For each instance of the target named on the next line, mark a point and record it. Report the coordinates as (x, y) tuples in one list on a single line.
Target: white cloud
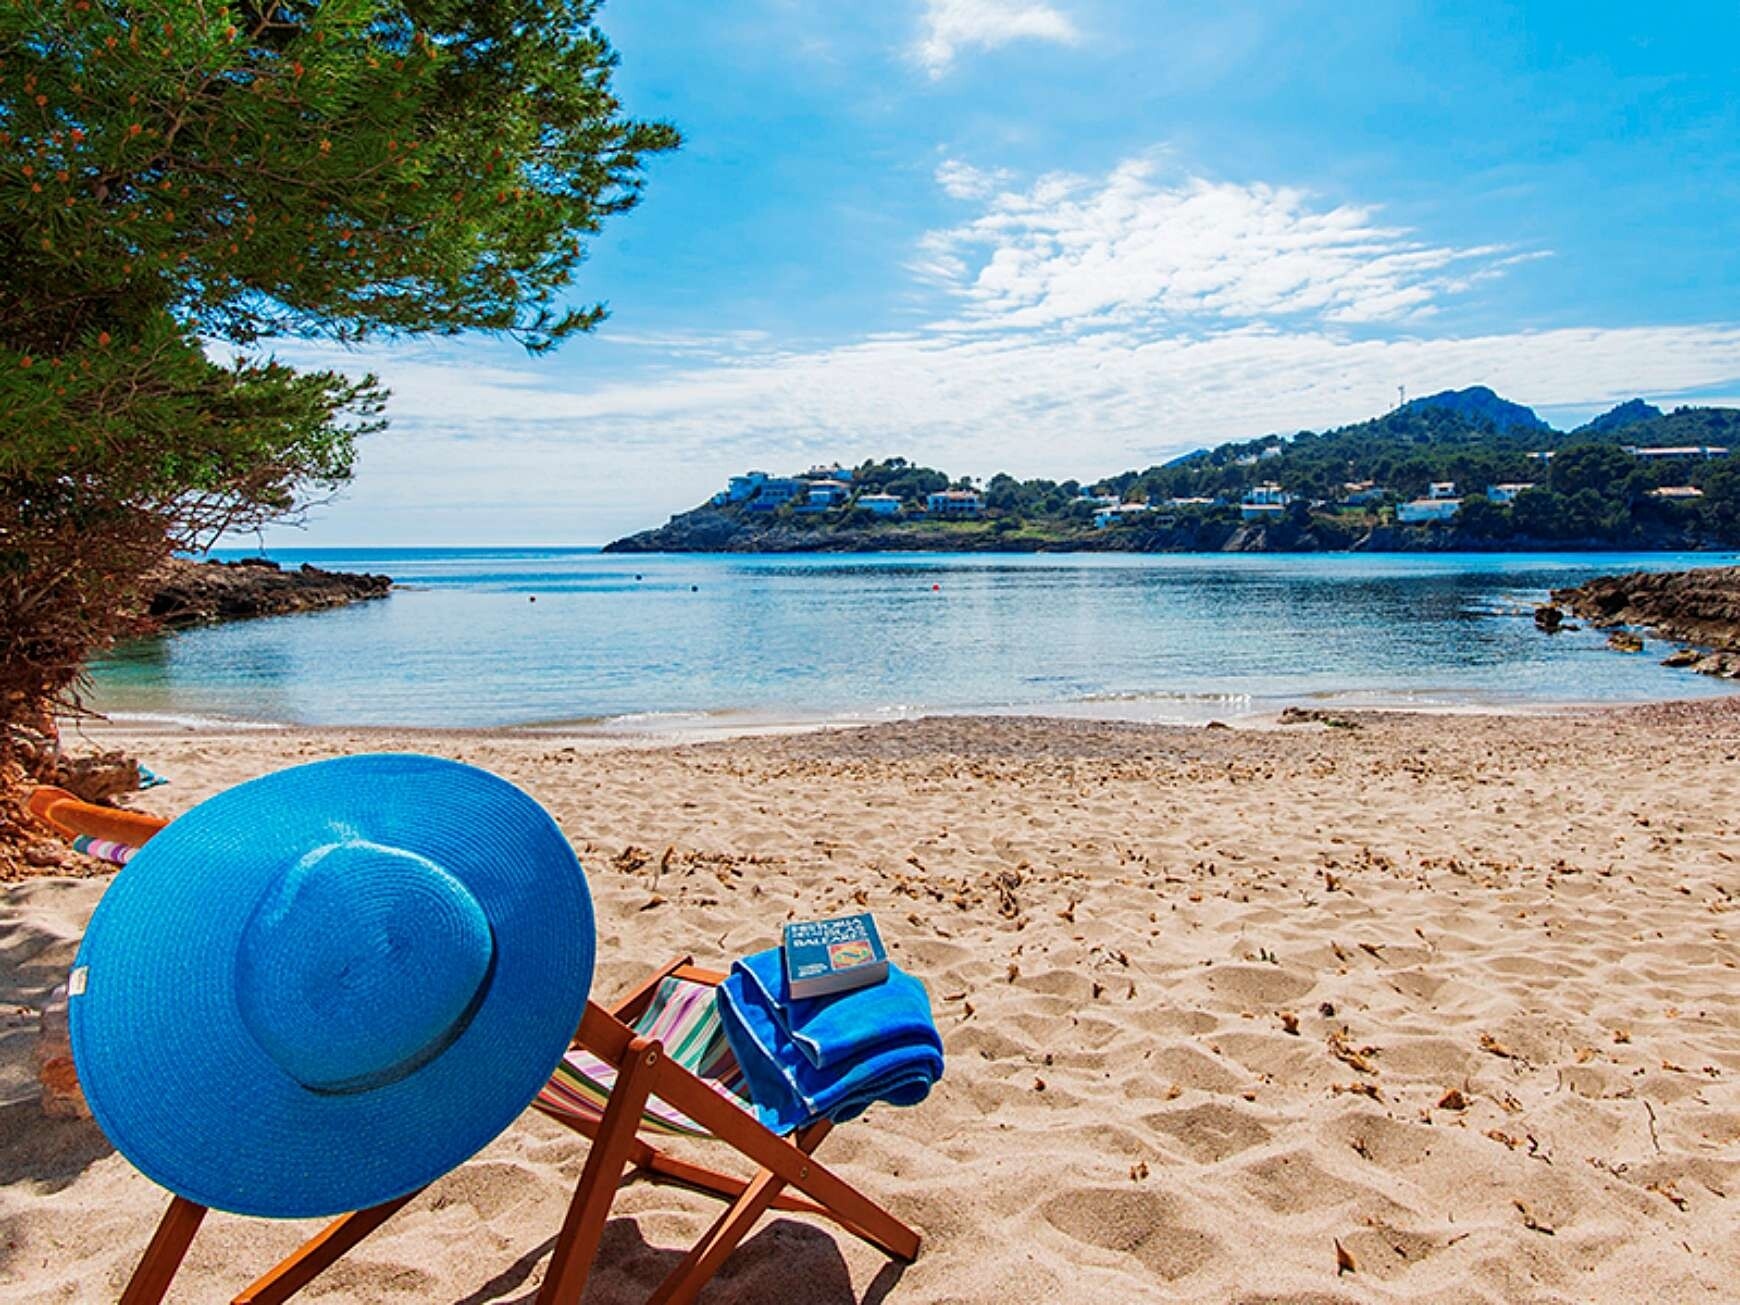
[(949, 26), (1129, 248), (964, 181), (1100, 325), (494, 455)]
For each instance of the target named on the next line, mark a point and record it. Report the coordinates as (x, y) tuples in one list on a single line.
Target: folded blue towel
[(828, 1057), (830, 1031)]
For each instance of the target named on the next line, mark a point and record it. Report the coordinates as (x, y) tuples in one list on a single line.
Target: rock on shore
[(1700, 607), (187, 593)]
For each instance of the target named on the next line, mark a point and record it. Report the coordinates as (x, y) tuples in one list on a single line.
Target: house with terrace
[(955, 503)]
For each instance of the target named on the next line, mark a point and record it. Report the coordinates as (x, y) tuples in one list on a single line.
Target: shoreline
[(1145, 709), (679, 728)]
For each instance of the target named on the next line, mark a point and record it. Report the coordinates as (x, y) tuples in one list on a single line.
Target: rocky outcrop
[(95, 776), (1700, 607), (705, 530), (1314, 716), (184, 593), (1723, 664)]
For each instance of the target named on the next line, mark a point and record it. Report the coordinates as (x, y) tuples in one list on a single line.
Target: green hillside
[(1343, 489)]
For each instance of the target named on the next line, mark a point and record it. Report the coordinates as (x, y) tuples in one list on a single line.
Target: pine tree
[(181, 181)]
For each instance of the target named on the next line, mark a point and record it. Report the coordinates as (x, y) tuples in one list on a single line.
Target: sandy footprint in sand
[(1150, 1227)]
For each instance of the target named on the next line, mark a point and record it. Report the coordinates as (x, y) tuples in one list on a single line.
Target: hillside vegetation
[(1343, 487)]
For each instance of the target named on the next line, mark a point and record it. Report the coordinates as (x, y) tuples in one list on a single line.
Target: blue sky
[(1067, 237)]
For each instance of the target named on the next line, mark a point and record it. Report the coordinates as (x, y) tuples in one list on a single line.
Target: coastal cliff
[(711, 530), (1699, 607), (184, 593), (708, 530), (177, 595)]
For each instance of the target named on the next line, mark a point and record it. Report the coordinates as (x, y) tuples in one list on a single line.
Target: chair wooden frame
[(643, 1071)]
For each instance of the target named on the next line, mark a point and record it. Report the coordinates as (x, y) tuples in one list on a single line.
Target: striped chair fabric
[(684, 1019), (104, 849)]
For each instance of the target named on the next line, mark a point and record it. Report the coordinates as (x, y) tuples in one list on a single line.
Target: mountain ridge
[(1633, 412), (1480, 403)]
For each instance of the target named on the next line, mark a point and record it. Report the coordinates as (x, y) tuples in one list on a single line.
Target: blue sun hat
[(325, 988)]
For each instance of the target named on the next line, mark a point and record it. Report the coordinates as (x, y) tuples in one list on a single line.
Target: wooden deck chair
[(656, 1061)]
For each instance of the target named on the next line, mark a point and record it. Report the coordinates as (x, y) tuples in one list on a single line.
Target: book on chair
[(823, 957)]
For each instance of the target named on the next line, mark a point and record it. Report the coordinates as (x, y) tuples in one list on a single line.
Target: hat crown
[(360, 964)]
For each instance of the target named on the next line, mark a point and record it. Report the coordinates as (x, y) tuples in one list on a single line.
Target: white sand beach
[(1424, 1009)]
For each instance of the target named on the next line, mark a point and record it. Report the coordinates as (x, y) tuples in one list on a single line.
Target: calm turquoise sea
[(629, 643)]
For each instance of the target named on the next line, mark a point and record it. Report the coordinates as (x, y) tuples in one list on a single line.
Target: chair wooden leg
[(685, 1281), (611, 1149), (150, 1281), (663, 1165), (704, 1258), (668, 1167), (729, 1188), (309, 1260), (856, 1212), (845, 1203), (608, 1039)]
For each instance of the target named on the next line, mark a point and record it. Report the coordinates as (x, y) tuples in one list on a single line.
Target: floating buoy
[(935, 589), (694, 589), (532, 599)]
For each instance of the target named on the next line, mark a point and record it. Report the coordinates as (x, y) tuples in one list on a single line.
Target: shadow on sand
[(784, 1261), (50, 1153)]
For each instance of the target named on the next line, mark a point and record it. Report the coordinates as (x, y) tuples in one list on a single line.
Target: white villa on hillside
[(776, 491), (1116, 512), (1678, 493), (765, 492), (1679, 452), (1426, 510), (835, 472), (739, 488), (955, 503), (1667, 453), (1440, 504), (1507, 492), (883, 505), (1264, 501), (828, 493), (1362, 493)]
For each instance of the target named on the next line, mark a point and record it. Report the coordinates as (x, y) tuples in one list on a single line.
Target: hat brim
[(179, 1085)]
